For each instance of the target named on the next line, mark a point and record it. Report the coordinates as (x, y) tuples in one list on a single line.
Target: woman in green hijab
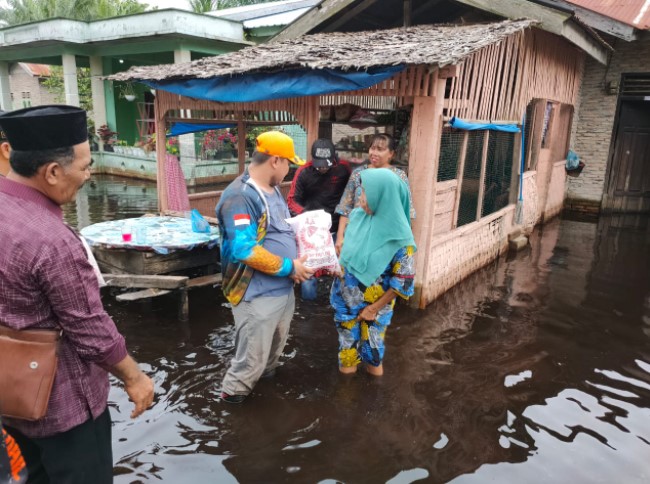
[(377, 266)]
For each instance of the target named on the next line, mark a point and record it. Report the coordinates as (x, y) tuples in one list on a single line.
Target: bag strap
[(31, 335)]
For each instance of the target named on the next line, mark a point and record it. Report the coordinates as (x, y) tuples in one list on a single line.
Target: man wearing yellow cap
[(259, 262)]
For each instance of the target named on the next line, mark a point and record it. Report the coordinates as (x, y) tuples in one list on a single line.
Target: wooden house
[(465, 182)]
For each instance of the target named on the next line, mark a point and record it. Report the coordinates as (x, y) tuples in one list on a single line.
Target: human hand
[(338, 245), (369, 313), (140, 392), (300, 271)]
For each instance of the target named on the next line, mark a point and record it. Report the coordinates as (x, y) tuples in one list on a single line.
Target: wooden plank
[(349, 15), (550, 19), (161, 154), (314, 17), (459, 177), (597, 21), (448, 71), (121, 261), (481, 186), (202, 281), (579, 37), (146, 281), (144, 294), (424, 153), (241, 145)]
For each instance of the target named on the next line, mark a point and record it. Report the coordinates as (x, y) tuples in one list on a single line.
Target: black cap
[(44, 127), (323, 154)]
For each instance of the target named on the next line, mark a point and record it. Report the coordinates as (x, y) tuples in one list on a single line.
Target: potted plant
[(228, 144), (107, 136), (172, 146), (127, 91)]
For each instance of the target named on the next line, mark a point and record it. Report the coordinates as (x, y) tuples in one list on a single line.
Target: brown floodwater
[(535, 369)]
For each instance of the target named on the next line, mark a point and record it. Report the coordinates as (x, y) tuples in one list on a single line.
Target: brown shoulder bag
[(28, 362)]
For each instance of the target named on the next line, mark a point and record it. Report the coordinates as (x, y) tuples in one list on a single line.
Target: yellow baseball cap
[(276, 143)]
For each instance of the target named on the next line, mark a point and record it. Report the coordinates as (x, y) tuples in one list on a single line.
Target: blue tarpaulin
[(469, 126), (184, 128), (262, 86)]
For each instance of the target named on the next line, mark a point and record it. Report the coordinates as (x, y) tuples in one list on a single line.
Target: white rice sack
[(312, 231)]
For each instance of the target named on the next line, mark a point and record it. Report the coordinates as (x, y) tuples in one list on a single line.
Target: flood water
[(536, 369)]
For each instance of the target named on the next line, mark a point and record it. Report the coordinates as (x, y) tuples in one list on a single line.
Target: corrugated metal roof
[(259, 10), (284, 18), (631, 12), (39, 70)]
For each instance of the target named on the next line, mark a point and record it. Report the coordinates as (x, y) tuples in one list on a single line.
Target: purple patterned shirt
[(46, 281)]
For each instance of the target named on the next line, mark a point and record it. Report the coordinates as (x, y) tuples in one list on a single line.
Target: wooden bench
[(158, 285)]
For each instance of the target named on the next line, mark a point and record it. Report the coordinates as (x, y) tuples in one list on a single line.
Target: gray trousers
[(261, 331)]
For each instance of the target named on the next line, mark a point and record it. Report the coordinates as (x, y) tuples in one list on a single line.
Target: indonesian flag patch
[(242, 219)]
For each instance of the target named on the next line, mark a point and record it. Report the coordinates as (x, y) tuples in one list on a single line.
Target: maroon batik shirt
[(46, 281)]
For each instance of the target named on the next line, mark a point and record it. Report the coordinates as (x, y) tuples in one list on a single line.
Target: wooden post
[(241, 144), (459, 177), (407, 13), (161, 154), (481, 178), (313, 121), (516, 169), (424, 152), (183, 305)]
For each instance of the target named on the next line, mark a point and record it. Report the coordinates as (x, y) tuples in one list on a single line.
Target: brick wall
[(594, 119), (20, 81)]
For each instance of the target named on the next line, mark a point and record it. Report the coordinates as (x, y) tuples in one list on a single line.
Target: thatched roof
[(438, 45)]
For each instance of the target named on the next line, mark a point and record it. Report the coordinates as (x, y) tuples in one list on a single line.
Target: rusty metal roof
[(39, 70), (635, 13)]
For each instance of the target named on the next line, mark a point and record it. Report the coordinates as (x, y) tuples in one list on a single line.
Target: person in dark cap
[(319, 185), (49, 283), (5, 149)]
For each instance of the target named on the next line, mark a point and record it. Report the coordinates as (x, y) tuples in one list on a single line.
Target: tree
[(239, 3), (25, 11), (54, 84), (203, 6)]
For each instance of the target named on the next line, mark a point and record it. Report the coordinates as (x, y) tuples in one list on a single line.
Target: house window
[(549, 113), (482, 163), (26, 99)]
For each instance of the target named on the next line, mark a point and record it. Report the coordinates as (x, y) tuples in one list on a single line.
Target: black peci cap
[(44, 127)]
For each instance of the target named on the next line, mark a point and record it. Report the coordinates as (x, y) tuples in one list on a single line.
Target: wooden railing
[(205, 202)]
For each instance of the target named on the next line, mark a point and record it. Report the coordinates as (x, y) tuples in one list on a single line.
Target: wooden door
[(628, 184)]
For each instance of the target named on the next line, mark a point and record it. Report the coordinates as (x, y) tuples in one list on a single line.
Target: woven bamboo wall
[(497, 82)]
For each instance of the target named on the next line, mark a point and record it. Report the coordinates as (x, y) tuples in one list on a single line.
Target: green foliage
[(25, 11), (127, 89), (223, 4), (203, 6), (54, 84)]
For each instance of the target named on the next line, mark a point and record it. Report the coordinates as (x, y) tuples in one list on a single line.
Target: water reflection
[(536, 369), (107, 197)]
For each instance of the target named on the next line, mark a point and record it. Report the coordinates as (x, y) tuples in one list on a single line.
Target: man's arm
[(241, 236), (137, 385), (70, 286), (295, 199)]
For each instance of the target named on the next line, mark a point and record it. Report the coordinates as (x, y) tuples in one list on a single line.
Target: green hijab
[(371, 241)]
